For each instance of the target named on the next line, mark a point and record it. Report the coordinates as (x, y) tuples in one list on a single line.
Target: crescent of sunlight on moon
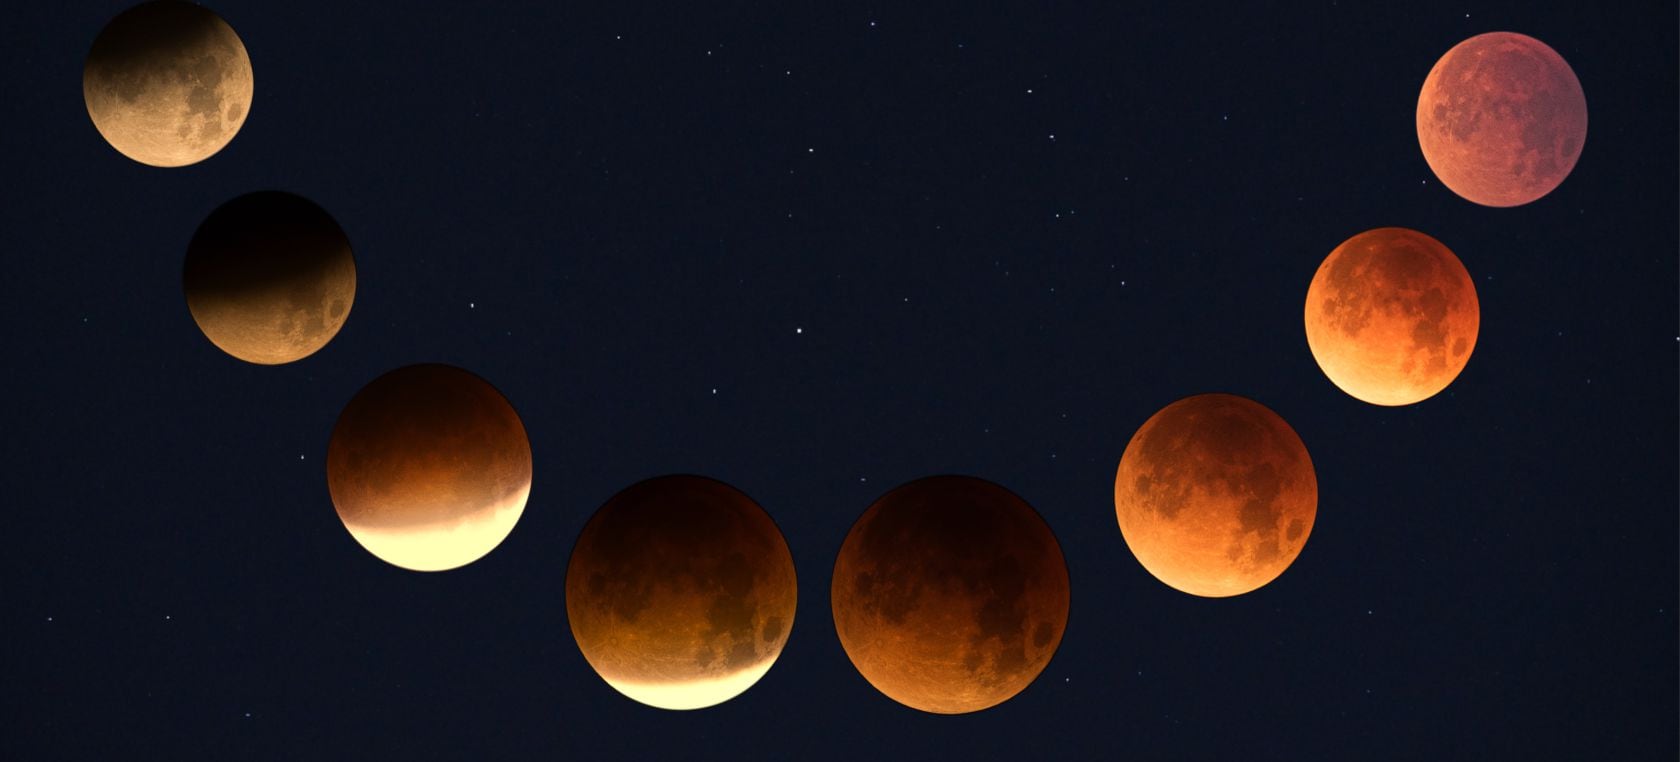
[(167, 83)]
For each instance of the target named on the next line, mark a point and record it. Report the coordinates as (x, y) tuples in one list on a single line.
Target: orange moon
[(681, 592), (269, 278), (950, 594), (1501, 119), (167, 83), (429, 467), (1215, 495), (1392, 316)]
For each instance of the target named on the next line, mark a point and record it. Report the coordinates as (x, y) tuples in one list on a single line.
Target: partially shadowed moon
[(1215, 495), (681, 592), (1501, 119), (429, 467), (167, 83), (1392, 316), (269, 278), (950, 594)]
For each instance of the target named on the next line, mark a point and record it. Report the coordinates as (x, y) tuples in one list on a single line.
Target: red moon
[(1501, 119), (429, 467), (950, 594), (1215, 495), (681, 592), (1392, 316)]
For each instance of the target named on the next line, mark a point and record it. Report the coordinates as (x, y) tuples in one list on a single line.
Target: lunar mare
[(1392, 316), (1501, 119), (429, 467), (167, 83), (269, 278), (950, 594), (1215, 495), (681, 592)]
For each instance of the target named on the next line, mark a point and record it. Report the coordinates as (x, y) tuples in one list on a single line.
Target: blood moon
[(167, 83), (681, 592), (1215, 495), (269, 278), (429, 467), (1392, 316), (950, 594), (1501, 119)]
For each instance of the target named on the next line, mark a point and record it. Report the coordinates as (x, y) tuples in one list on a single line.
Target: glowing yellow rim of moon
[(439, 547), (698, 693)]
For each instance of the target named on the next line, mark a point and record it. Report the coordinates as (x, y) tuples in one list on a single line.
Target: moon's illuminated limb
[(693, 693), (444, 545)]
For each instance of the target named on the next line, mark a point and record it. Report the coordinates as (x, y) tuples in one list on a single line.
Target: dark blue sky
[(816, 253)]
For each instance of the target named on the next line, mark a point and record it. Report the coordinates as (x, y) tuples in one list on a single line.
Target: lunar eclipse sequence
[(950, 593)]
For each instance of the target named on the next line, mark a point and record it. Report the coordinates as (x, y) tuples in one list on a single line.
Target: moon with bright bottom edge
[(1392, 316), (429, 467), (681, 592)]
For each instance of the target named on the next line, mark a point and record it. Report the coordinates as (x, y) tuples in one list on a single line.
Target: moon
[(429, 467), (167, 83), (1392, 316), (1215, 495), (681, 592), (269, 278), (1501, 119), (950, 594)]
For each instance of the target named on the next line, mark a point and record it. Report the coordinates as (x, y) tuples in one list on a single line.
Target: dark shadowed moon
[(681, 592), (1215, 495), (1392, 316), (950, 594), (429, 467), (269, 278), (1501, 119), (167, 83)]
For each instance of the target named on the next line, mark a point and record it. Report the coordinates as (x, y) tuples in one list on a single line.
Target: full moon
[(167, 83), (429, 467), (1215, 495), (681, 592), (1501, 119), (269, 278), (950, 594), (1392, 316)]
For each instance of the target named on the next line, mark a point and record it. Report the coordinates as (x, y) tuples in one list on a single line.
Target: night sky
[(816, 253)]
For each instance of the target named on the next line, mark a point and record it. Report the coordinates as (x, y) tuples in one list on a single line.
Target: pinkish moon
[(1501, 119)]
